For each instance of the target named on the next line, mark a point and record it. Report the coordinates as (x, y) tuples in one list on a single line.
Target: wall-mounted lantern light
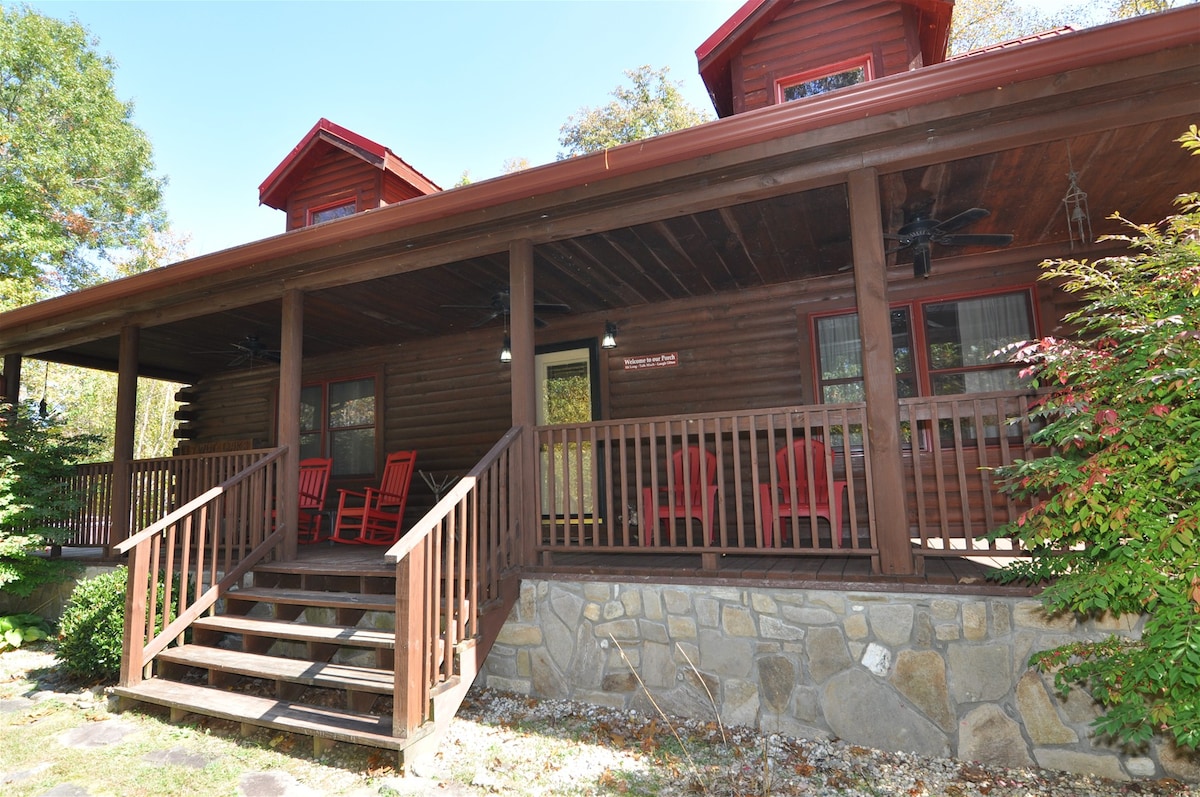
[(609, 341)]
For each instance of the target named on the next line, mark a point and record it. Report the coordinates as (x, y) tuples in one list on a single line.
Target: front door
[(568, 393)]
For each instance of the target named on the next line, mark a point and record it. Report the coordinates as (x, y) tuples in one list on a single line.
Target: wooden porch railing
[(450, 567), (593, 478), (211, 541), (159, 485), (956, 444)]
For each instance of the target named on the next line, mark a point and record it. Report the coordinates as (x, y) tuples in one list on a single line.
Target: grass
[(30, 745), (525, 752)]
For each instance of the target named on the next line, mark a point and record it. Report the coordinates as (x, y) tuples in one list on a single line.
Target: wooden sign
[(643, 361)]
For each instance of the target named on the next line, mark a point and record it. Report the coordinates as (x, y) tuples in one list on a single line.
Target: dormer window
[(823, 79), (331, 212)]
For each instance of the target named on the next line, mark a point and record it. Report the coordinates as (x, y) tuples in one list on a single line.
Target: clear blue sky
[(224, 90)]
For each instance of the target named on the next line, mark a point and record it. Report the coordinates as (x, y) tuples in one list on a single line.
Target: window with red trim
[(338, 420), (823, 79), (331, 212), (953, 348)]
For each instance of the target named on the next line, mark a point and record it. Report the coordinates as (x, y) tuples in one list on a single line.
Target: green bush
[(37, 457), (1116, 526), (92, 627)]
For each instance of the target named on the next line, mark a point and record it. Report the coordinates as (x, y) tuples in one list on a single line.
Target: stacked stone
[(936, 675)]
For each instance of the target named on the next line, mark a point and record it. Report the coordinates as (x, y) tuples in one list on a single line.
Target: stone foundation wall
[(49, 600), (939, 675)]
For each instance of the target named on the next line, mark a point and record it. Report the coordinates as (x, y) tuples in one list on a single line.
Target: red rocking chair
[(373, 517), (693, 499), (793, 498), (314, 483)]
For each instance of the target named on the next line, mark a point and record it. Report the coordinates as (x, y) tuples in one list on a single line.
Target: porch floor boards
[(941, 574)]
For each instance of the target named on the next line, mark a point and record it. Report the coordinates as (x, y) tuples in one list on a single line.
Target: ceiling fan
[(921, 231), (247, 351), (501, 306)]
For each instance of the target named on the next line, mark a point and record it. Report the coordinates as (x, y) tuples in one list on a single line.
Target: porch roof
[(754, 199)]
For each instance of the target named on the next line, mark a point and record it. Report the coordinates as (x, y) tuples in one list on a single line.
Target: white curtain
[(984, 326), (841, 349)]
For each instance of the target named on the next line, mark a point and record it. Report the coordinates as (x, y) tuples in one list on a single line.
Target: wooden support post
[(291, 358), (879, 373), (409, 705), (524, 390), (133, 656), (122, 489), (10, 389)]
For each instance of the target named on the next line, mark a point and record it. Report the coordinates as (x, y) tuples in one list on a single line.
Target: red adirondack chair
[(373, 517), (693, 499), (793, 495)]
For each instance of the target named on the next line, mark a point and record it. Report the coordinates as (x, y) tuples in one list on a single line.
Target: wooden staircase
[(306, 649), (309, 645)]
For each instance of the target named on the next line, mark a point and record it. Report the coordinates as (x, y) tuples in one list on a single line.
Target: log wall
[(448, 398)]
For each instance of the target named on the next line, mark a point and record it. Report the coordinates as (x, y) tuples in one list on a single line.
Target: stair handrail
[(448, 566), (236, 518), (428, 522)]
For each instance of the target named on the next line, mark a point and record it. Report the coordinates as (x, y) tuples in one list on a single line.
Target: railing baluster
[(184, 532)]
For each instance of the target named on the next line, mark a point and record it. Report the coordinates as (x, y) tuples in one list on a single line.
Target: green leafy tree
[(980, 23), (651, 106), (36, 458), (1117, 529), (75, 172), (1123, 9)]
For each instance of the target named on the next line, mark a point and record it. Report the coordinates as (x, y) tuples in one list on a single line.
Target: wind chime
[(1079, 220)]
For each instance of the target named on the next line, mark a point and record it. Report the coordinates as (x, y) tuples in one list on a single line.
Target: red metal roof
[(274, 190), (1033, 37)]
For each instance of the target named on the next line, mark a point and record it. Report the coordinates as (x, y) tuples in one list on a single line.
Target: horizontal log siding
[(811, 35), (448, 398), (741, 351), (237, 405), (337, 175)]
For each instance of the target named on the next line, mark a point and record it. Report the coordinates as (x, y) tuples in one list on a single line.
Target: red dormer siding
[(768, 41), (333, 166)]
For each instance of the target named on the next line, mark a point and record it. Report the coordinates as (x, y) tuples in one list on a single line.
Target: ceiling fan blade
[(976, 239), (961, 220), (921, 261), (487, 318), (551, 307)]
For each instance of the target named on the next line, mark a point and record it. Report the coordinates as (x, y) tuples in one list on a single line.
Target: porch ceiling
[(795, 236), (734, 205)]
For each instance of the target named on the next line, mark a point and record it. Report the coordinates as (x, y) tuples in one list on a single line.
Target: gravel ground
[(505, 744)]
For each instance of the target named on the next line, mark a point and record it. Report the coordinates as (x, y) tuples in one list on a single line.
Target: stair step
[(309, 597), (318, 721), (275, 668), (349, 561), (301, 632)]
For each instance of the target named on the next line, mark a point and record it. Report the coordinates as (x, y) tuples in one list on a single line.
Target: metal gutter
[(987, 71)]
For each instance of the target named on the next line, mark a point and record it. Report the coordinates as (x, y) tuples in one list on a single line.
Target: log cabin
[(621, 366)]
